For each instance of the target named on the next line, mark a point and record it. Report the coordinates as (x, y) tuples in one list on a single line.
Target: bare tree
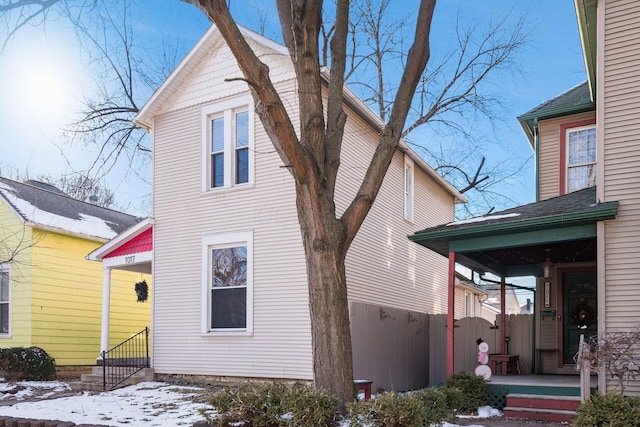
[(82, 187), (314, 159)]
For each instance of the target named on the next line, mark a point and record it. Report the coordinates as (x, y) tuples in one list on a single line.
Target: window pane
[(242, 166), (581, 177), (228, 308), (4, 318), (217, 170), (582, 146), (4, 287), (229, 267), (242, 129), (217, 135)]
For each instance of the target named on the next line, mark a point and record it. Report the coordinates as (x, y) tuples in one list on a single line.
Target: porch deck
[(499, 386)]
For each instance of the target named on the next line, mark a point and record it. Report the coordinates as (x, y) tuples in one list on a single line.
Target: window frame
[(565, 129), (409, 188), (227, 109), (6, 268), (225, 240)]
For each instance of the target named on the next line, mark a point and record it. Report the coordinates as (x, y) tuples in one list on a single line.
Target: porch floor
[(541, 380)]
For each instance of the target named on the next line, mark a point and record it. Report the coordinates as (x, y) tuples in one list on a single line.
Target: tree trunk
[(324, 242)]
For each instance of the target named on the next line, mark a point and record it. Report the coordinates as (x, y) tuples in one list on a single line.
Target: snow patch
[(482, 219)]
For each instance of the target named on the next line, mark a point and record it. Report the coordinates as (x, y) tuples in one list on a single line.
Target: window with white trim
[(408, 188), (5, 300), (228, 283), (581, 158), (228, 141)]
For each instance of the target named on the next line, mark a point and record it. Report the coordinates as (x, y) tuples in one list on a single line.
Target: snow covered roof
[(42, 208)]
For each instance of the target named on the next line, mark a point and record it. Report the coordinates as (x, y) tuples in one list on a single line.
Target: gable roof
[(212, 38), (573, 101), (570, 217), (55, 211)]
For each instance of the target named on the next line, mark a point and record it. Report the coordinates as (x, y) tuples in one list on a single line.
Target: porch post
[(503, 316), (451, 312), (106, 308)]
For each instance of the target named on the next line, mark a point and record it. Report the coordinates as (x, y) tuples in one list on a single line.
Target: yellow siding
[(67, 300), (15, 235), (549, 163), (618, 112)]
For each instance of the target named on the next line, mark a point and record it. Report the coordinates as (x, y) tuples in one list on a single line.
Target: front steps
[(94, 380), (556, 409)]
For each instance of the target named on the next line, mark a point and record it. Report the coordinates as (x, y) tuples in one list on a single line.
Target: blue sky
[(42, 77)]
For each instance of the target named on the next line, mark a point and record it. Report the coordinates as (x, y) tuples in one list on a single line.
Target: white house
[(230, 298)]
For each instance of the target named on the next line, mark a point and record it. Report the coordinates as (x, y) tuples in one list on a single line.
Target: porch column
[(503, 316), (451, 312), (106, 309)]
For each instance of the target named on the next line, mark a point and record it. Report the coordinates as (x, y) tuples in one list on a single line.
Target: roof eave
[(110, 245), (587, 16), (603, 211), (526, 120)]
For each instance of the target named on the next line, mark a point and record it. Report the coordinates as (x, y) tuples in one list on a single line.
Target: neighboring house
[(469, 298), (50, 296), (230, 284), (582, 238)]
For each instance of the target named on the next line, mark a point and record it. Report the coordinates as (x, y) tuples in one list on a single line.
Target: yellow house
[(50, 295)]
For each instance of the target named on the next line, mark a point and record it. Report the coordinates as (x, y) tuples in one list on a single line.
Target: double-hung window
[(5, 300), (228, 283), (228, 139), (408, 188), (581, 157)]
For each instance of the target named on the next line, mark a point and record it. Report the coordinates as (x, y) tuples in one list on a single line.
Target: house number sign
[(130, 259)]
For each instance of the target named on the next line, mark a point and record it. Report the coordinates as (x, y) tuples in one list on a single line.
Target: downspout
[(451, 313), (503, 316), (536, 143)]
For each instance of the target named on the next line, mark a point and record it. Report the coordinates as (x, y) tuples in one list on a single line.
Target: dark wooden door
[(579, 292)]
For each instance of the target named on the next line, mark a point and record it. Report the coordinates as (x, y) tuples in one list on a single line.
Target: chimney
[(93, 199), (528, 305)]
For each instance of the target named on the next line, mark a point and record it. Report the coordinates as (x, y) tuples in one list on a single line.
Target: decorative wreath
[(142, 291), (582, 315)]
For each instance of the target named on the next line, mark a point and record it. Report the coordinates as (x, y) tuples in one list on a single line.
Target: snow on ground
[(144, 404), (149, 404)]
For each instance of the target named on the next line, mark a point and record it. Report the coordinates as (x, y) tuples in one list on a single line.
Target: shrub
[(273, 404), (389, 410), (611, 410), (32, 363), (473, 389)]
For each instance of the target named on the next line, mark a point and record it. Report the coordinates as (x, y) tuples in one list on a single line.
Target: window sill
[(213, 334), (223, 190)]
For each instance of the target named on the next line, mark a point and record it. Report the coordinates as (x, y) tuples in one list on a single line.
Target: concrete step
[(548, 415), (94, 380)]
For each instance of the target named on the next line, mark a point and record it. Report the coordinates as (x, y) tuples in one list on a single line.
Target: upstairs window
[(5, 300), (229, 144), (581, 158), (408, 188)]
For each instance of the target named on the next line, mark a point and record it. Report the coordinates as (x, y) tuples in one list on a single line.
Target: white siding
[(618, 113), (383, 266)]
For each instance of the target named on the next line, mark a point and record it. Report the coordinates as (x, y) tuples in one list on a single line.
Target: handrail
[(125, 360)]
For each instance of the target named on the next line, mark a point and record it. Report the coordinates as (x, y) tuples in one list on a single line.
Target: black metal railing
[(125, 360)]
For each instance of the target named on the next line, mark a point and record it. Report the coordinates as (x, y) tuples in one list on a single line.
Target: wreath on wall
[(142, 291), (582, 314)]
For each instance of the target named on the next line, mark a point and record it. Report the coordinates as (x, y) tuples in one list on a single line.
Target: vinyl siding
[(66, 306), (549, 164), (14, 234), (383, 266), (280, 346), (618, 115), (280, 343)]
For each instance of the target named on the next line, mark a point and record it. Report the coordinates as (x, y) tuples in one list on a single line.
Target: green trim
[(559, 112), (587, 14), (536, 143), (600, 212), (525, 238)]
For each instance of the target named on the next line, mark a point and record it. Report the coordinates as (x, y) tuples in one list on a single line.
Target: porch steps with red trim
[(556, 409)]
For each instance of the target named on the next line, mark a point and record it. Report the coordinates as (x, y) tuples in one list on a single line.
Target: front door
[(579, 303)]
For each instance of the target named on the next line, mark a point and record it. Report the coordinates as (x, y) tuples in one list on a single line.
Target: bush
[(473, 389), (426, 407), (611, 410), (31, 364), (273, 404)]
